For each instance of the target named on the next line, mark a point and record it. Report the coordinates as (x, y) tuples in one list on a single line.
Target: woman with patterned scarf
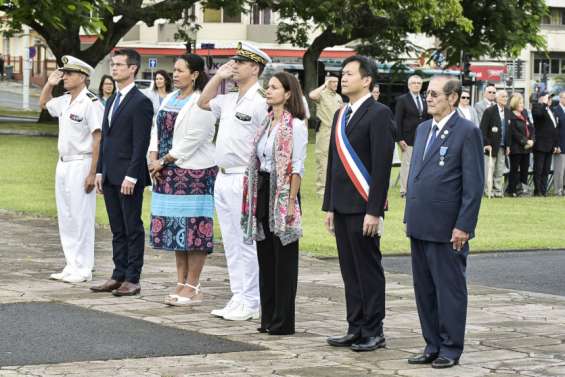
[(271, 212)]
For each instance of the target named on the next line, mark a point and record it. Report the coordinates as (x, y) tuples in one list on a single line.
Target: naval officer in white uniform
[(240, 113), (80, 118)]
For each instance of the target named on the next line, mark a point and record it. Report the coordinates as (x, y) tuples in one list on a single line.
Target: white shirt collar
[(500, 109), (249, 94), (442, 122), (124, 92), (562, 107), (355, 106)]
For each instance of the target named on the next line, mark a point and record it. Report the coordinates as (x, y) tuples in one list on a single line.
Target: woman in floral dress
[(182, 166)]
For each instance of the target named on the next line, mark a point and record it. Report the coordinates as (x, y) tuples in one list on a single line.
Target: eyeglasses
[(465, 97), (433, 93)]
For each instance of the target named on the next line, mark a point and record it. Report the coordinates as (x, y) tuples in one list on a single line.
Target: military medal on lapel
[(442, 153)]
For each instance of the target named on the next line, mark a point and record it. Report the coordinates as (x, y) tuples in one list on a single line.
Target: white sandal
[(186, 301), (173, 296)]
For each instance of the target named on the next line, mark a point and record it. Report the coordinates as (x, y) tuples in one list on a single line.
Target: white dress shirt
[(299, 146), (123, 93), (440, 126), (355, 106), (239, 120)]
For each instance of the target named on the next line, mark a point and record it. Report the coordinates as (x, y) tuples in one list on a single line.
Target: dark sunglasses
[(465, 97)]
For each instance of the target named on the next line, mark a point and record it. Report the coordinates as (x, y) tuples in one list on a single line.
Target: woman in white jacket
[(182, 165)]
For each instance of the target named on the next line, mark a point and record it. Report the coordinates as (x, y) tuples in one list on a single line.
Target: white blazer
[(193, 135)]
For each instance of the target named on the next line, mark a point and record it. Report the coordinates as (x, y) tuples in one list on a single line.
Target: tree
[(59, 22), (383, 23), (380, 28)]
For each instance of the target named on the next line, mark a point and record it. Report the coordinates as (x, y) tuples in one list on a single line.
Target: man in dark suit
[(546, 141), (122, 172), (445, 187), (355, 211), (410, 111), (559, 157), (494, 127)]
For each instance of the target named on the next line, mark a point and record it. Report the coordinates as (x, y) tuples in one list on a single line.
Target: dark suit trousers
[(128, 234), (440, 287), (278, 273), (519, 162), (542, 165), (363, 275)]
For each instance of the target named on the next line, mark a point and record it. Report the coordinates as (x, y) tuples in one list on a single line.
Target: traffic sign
[(152, 62)]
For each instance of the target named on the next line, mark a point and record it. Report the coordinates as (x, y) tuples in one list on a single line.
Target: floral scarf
[(286, 229)]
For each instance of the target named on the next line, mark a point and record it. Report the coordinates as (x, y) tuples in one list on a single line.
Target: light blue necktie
[(116, 104), (432, 139)]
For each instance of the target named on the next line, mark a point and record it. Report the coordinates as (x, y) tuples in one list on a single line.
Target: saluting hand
[(226, 70), (55, 78)]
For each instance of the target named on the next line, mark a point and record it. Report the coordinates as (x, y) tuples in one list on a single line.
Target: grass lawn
[(44, 128), (18, 112), (27, 185)]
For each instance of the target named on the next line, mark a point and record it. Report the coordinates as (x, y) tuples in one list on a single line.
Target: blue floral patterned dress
[(182, 205)]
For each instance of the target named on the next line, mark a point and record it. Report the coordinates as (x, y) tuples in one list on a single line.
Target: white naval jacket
[(192, 137)]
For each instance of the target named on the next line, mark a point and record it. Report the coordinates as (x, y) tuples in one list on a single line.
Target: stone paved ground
[(509, 333)]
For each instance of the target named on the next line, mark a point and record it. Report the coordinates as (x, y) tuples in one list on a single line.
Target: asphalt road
[(39, 333), (534, 271)]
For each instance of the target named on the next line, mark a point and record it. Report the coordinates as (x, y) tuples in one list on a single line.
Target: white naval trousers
[(243, 267), (76, 212)]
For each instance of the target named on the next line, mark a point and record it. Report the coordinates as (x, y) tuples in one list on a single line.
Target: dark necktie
[(116, 104), (432, 139), (419, 104), (348, 114)]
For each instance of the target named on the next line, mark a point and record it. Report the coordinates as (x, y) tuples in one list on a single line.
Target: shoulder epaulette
[(92, 96), (262, 92)]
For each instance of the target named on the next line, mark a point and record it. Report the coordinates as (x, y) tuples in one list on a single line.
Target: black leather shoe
[(369, 344), (343, 341), (425, 358), (262, 330), (444, 362)]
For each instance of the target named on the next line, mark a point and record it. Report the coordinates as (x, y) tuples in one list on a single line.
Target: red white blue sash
[(353, 165)]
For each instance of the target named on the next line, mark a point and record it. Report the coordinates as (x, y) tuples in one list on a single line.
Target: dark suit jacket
[(371, 134), (491, 126), (123, 146), (547, 135), (518, 134), (560, 114), (407, 117), (441, 198)]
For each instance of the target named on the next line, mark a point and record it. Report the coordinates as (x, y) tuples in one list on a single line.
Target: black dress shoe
[(262, 330), (369, 344), (343, 341), (444, 362), (425, 358)]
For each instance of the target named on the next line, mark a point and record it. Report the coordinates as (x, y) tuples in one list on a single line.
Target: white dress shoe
[(242, 313), (76, 278), (58, 275), (229, 306)]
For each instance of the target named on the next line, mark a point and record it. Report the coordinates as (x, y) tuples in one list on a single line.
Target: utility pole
[(26, 69)]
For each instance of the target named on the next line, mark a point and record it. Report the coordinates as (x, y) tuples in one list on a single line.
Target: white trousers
[(76, 212), (558, 172), (243, 268), (405, 168)]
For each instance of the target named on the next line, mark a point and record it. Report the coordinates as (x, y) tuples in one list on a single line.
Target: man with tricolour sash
[(355, 198)]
